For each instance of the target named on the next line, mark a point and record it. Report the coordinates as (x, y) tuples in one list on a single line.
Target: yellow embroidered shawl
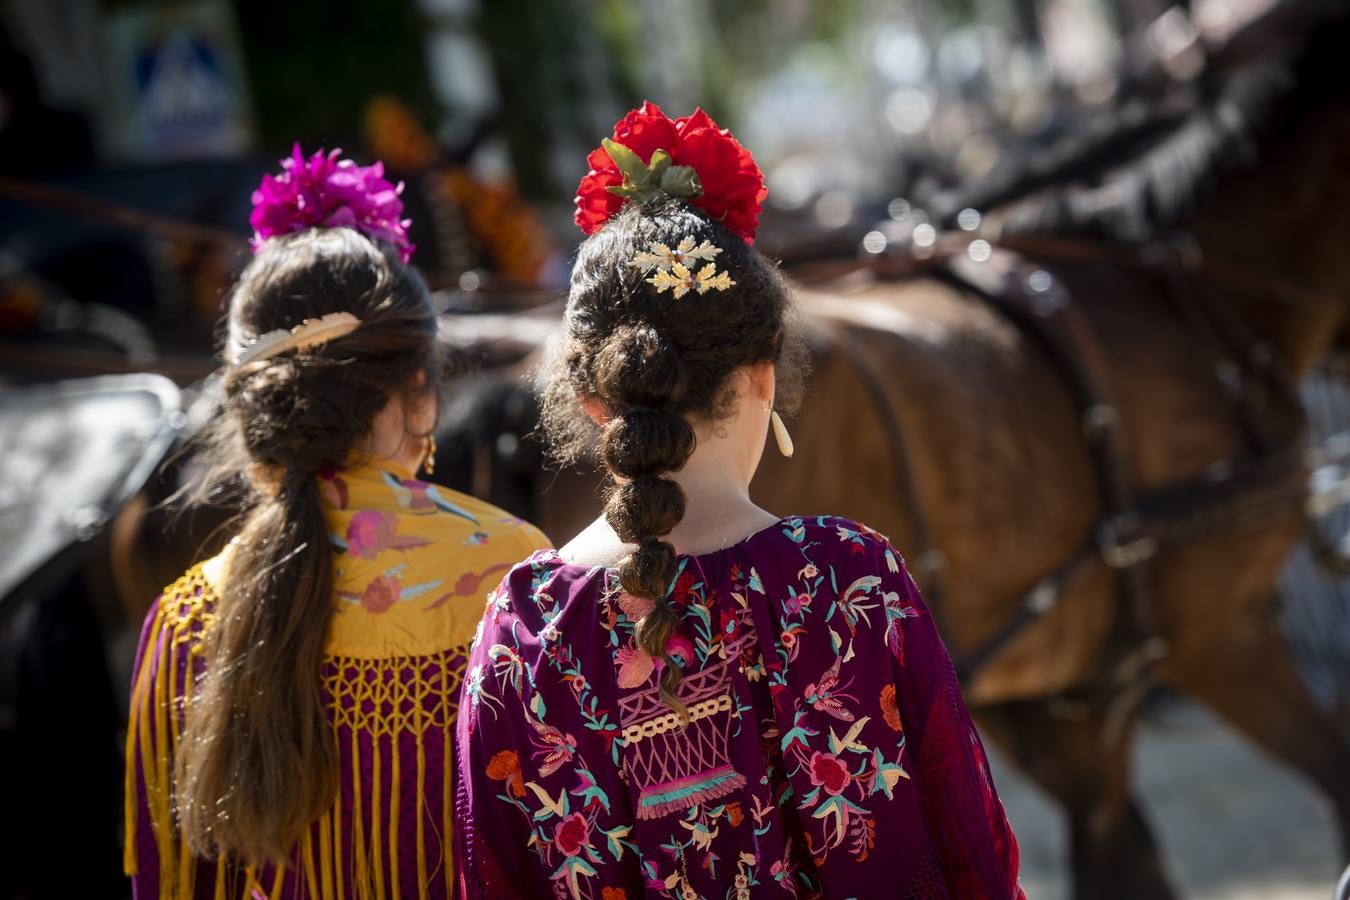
[(413, 563)]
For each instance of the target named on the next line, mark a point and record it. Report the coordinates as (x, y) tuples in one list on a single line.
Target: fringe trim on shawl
[(368, 699), (673, 796)]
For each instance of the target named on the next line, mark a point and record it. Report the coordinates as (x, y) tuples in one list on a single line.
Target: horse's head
[(1249, 166)]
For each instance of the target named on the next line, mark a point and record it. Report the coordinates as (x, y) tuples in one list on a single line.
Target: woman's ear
[(594, 409), (763, 382)]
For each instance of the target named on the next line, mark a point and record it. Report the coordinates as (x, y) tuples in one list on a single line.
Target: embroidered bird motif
[(825, 695), (555, 746), (421, 496)]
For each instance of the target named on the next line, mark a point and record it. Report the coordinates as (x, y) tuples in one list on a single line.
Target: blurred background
[(132, 134)]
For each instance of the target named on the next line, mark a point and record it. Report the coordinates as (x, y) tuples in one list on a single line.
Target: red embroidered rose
[(572, 834), (613, 893), (381, 594), (828, 772), (683, 585), (733, 185)]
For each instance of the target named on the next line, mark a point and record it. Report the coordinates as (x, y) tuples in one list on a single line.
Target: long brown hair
[(257, 762), (660, 365)]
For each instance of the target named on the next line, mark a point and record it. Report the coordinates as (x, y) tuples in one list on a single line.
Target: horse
[(1077, 420)]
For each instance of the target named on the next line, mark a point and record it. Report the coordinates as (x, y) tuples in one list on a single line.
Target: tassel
[(376, 815), (447, 779), (780, 434), (361, 884)]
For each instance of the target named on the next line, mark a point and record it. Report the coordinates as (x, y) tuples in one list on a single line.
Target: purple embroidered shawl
[(828, 752)]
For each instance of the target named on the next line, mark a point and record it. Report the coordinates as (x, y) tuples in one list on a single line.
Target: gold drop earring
[(780, 432), (429, 459)]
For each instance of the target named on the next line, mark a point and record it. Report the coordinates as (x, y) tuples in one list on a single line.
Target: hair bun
[(639, 367)]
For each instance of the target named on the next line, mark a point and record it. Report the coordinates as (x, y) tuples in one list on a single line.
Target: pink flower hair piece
[(324, 191)]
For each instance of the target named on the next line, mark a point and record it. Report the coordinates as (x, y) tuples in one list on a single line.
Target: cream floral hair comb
[(675, 269), (309, 333)]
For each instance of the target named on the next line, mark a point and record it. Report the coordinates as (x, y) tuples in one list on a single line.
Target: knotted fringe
[(673, 796), (372, 705)]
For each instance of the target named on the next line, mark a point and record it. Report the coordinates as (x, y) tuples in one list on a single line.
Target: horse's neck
[(1276, 236)]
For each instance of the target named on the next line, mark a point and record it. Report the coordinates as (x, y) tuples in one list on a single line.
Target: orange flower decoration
[(505, 766), (889, 711)]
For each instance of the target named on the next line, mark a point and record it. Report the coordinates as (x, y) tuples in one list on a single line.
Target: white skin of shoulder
[(716, 477)]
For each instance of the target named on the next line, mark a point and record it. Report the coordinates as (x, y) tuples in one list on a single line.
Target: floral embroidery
[(804, 728), (371, 532), (381, 594), (889, 711)]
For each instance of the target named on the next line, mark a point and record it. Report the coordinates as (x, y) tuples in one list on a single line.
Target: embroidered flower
[(371, 532), (635, 667), (613, 893), (679, 649), (505, 766), (828, 772), (635, 607), (796, 603), (572, 834), (381, 594), (683, 585), (889, 711), (364, 533), (734, 813)]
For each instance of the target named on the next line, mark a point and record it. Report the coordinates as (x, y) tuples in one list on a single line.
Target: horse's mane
[(1139, 172)]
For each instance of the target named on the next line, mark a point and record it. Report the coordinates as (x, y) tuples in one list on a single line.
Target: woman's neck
[(718, 513)]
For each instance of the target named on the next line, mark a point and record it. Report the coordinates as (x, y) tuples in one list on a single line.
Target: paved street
[(1233, 824)]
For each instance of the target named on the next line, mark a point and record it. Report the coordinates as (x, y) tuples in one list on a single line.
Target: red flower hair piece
[(726, 183)]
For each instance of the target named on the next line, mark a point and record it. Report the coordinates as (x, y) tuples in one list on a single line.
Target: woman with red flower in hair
[(695, 697)]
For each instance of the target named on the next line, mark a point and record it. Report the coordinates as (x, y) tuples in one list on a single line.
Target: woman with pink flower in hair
[(696, 697), (294, 697)]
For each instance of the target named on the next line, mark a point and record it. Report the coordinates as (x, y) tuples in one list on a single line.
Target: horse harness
[(1134, 527)]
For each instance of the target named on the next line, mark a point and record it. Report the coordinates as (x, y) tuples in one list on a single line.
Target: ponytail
[(258, 762)]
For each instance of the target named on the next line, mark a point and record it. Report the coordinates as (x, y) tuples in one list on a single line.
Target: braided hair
[(660, 366)]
